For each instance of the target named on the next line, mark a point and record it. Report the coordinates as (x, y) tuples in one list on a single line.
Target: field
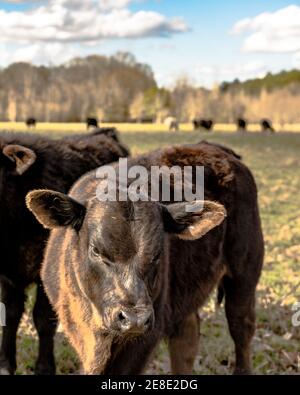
[(275, 162), (58, 128)]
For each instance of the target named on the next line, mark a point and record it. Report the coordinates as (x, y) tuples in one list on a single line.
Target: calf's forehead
[(125, 229)]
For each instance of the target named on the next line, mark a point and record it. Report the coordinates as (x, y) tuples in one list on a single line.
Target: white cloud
[(296, 60), (276, 32), (54, 31), (84, 21), (207, 75), (50, 53), (242, 71)]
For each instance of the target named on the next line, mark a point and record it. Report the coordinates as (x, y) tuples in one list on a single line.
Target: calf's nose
[(135, 322)]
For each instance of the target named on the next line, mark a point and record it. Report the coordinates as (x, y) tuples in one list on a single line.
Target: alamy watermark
[(2, 314), (159, 183), (296, 315), (296, 323)]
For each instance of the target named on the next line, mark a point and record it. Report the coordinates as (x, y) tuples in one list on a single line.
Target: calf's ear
[(54, 209), (22, 156), (201, 217)]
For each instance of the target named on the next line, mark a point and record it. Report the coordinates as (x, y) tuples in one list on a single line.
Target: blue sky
[(205, 41)]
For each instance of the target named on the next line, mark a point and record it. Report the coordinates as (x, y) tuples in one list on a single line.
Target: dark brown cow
[(108, 132), (31, 122), (241, 125), (92, 123), (206, 124), (28, 162), (124, 275), (266, 126)]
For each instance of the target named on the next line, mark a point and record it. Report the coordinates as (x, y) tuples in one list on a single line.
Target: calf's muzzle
[(135, 320)]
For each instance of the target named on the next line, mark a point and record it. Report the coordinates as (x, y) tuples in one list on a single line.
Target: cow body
[(241, 125), (172, 124), (110, 132), (124, 275), (206, 124), (31, 122), (266, 126), (92, 123), (29, 162)]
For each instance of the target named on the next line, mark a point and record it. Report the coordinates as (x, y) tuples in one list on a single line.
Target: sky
[(205, 41)]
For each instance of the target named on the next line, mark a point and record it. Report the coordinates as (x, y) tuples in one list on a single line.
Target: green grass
[(275, 162)]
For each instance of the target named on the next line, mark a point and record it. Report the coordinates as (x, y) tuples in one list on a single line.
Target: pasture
[(275, 162)]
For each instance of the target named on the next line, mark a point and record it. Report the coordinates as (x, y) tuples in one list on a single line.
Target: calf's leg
[(45, 322), (240, 313), (183, 345), (13, 299)]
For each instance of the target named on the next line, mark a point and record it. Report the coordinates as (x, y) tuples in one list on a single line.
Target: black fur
[(58, 164)]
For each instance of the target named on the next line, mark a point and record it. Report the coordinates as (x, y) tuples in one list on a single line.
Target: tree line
[(119, 88)]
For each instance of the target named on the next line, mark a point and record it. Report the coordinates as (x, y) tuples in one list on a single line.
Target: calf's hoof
[(5, 372), (43, 370), (242, 372), (5, 369)]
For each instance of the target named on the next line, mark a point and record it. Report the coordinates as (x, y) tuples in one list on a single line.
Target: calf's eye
[(95, 251)]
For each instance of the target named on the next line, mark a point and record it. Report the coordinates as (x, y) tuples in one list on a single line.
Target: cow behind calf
[(28, 162), (108, 132), (124, 275)]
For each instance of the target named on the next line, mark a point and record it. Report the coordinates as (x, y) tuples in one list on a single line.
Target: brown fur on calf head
[(120, 262)]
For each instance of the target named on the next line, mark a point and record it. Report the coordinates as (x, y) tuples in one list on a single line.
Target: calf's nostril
[(147, 321), (122, 316), (126, 320)]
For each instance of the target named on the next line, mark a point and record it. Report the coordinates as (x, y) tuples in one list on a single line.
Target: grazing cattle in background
[(241, 125), (266, 126), (31, 122), (147, 120), (29, 162), (92, 123), (172, 124), (206, 124), (123, 275)]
